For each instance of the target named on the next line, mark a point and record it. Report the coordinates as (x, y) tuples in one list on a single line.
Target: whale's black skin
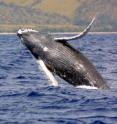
[(62, 59)]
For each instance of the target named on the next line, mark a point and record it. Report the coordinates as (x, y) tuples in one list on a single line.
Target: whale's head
[(27, 36), (33, 40)]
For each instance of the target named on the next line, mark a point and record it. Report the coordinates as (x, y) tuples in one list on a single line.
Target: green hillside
[(57, 15)]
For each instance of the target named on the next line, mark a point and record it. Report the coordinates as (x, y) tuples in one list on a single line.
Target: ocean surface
[(26, 96)]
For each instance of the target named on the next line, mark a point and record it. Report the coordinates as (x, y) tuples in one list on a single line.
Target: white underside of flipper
[(86, 30), (47, 72)]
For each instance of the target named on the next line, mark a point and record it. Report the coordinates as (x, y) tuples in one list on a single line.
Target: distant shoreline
[(88, 33), (11, 33), (7, 33)]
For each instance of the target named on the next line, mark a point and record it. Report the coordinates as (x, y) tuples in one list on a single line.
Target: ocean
[(26, 96)]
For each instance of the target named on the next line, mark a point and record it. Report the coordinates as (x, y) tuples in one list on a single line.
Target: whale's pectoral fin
[(48, 73), (86, 30)]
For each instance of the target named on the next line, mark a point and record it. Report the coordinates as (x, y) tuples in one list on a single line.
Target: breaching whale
[(57, 56)]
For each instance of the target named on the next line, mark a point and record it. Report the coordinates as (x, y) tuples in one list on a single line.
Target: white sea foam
[(86, 87)]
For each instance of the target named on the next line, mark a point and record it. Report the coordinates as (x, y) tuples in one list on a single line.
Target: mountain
[(57, 15), (106, 11)]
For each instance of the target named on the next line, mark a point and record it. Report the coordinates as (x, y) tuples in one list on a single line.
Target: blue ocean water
[(27, 98)]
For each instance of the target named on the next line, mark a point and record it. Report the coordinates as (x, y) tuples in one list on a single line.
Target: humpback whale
[(57, 56)]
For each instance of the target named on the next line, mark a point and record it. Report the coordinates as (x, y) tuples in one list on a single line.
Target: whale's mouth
[(21, 31)]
